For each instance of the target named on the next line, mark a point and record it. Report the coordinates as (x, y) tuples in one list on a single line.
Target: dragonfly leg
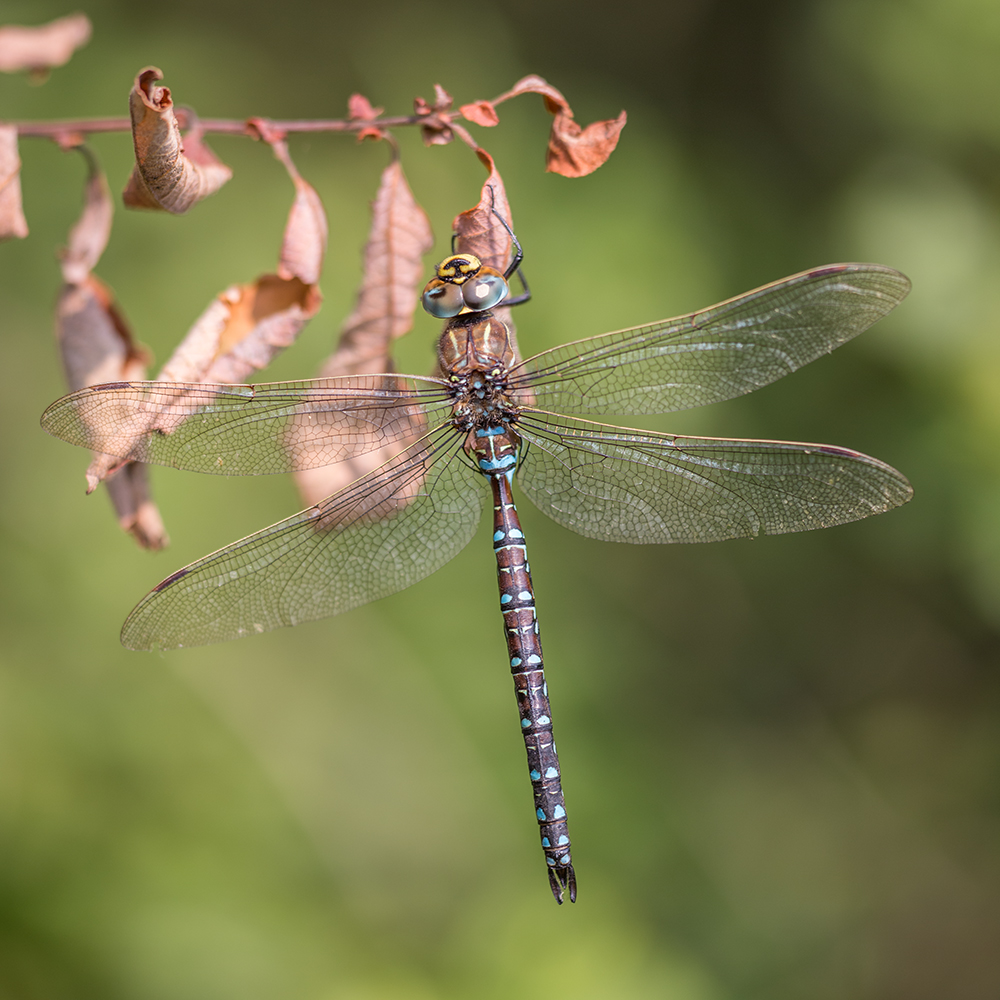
[(525, 296)]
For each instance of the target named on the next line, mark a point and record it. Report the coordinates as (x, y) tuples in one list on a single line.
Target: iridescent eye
[(443, 301), (485, 290)]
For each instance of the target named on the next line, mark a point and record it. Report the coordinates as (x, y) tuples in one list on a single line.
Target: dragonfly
[(487, 419)]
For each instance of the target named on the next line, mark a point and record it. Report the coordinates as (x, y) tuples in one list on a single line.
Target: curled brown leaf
[(170, 173), (573, 151), (12, 220), (534, 84), (393, 272), (40, 48)]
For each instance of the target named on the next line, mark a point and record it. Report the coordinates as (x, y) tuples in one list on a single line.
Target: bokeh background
[(781, 756)]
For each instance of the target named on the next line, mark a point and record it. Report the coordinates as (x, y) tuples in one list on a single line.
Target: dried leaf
[(137, 514), (40, 48), (533, 84), (171, 173), (393, 272), (576, 152), (94, 338), (360, 109), (573, 151), (481, 113), (89, 237), (242, 331), (478, 230), (442, 99), (137, 195), (97, 346), (304, 245), (12, 220)]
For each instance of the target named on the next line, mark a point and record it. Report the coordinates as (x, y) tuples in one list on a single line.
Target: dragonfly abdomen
[(524, 647)]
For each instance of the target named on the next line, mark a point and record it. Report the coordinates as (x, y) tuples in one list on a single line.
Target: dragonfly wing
[(241, 430), (377, 536), (718, 353), (624, 485)]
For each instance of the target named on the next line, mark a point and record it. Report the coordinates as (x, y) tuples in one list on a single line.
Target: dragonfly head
[(463, 284)]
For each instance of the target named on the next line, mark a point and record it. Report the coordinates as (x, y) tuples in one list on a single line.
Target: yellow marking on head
[(458, 268)]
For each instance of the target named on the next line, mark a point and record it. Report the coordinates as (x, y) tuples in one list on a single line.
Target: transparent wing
[(375, 537), (639, 486), (241, 430), (718, 353)]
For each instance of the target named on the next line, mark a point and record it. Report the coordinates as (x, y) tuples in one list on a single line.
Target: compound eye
[(485, 290), (443, 300)]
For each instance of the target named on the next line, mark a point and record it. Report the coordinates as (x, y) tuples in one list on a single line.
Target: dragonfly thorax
[(481, 400), (475, 341)]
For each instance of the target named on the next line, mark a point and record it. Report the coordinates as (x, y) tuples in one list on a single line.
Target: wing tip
[(900, 281)]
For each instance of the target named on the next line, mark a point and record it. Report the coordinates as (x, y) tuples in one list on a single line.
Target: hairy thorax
[(475, 354), (475, 340)]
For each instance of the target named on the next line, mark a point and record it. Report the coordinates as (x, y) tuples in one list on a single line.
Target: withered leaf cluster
[(246, 325), (239, 333)]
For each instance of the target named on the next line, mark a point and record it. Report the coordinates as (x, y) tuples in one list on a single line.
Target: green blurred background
[(781, 756)]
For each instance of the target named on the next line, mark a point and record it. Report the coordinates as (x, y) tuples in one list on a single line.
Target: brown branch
[(228, 126)]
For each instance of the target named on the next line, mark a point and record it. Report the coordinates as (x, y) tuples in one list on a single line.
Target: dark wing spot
[(173, 578)]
